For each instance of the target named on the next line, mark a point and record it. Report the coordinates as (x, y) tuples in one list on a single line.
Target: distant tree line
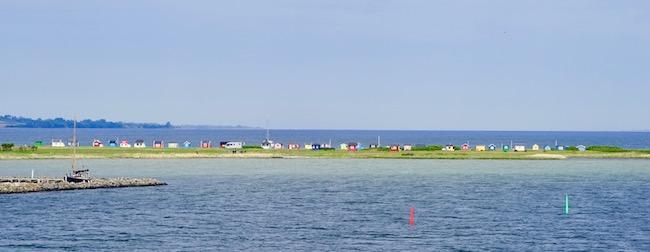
[(10, 121)]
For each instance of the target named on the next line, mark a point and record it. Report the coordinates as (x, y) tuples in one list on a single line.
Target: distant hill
[(9, 121)]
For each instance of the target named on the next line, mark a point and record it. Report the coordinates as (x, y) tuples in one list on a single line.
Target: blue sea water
[(336, 205), (636, 140)]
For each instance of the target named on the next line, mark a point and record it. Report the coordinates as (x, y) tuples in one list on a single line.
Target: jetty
[(27, 184)]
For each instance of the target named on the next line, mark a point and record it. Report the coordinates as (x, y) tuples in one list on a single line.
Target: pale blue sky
[(385, 64)]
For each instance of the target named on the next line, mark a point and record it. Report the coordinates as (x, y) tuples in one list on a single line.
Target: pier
[(26, 184)]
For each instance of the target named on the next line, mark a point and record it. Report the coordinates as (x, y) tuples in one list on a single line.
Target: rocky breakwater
[(26, 185)]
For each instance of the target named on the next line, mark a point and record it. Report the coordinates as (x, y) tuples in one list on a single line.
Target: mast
[(74, 145)]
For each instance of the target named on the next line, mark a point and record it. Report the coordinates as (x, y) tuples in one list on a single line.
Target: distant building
[(187, 144), (206, 144), (158, 144), (277, 146), (519, 148), (408, 147), (449, 147), (172, 145), (125, 144), (581, 148), (480, 148), (373, 146), (353, 146), (139, 144), (316, 147), (492, 147), (465, 147), (560, 147), (38, 143), (535, 147), (58, 143), (308, 146), (394, 148), (234, 145), (506, 148), (112, 143), (293, 146), (97, 143), (344, 146), (548, 148), (267, 144)]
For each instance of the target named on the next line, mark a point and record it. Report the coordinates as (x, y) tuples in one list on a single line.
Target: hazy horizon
[(385, 65)]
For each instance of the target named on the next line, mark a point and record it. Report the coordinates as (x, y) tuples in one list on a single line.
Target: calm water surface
[(336, 205)]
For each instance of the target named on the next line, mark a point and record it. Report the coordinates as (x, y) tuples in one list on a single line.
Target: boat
[(76, 175)]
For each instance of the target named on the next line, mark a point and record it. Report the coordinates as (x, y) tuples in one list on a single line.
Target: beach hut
[(407, 147), (480, 148), (581, 148), (353, 146), (172, 145), (506, 148), (58, 143), (139, 144), (125, 144), (293, 146), (316, 147), (519, 148), (548, 148), (465, 147), (187, 144), (394, 148), (307, 146), (560, 147), (112, 143), (97, 144), (343, 146), (277, 146), (267, 144), (38, 143), (234, 145), (535, 147), (326, 146), (206, 144), (373, 146), (449, 147), (492, 147), (158, 144)]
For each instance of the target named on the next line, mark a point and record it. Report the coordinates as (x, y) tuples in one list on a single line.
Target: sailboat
[(77, 175)]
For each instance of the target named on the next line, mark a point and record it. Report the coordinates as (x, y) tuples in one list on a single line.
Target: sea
[(336, 205), (632, 140)]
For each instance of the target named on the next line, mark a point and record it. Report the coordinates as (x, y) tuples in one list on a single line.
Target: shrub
[(571, 148), (327, 149), (7, 146), (252, 147), (606, 149)]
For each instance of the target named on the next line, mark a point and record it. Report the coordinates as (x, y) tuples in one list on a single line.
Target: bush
[(327, 149), (606, 149), (252, 147), (7, 146), (571, 148)]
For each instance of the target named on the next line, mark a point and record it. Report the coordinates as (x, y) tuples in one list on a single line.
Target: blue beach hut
[(547, 148), (187, 144), (581, 148)]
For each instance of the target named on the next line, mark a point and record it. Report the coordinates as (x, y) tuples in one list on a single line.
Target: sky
[(331, 64)]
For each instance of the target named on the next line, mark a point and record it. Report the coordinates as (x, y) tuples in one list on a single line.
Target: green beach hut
[(506, 148), (38, 143)]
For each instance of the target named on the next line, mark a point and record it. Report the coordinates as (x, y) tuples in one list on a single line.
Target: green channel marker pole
[(566, 203)]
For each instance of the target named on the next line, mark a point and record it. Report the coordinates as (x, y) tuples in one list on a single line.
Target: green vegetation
[(7, 146), (427, 148), (252, 147), (606, 149)]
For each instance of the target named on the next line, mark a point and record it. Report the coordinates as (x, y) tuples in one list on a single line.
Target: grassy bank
[(150, 153)]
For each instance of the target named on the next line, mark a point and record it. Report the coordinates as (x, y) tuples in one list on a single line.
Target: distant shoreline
[(198, 153)]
